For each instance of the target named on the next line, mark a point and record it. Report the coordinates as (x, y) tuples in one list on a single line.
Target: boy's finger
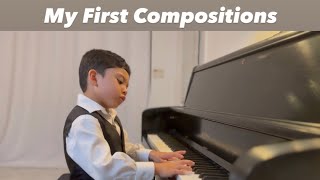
[(181, 152), (187, 172), (184, 172), (173, 159), (186, 168), (178, 155), (187, 162), (173, 155)]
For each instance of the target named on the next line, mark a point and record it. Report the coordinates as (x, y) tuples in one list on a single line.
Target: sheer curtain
[(39, 86)]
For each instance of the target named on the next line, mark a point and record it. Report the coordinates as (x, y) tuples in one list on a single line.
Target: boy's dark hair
[(99, 60)]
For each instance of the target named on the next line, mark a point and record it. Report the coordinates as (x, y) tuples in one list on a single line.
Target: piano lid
[(277, 79)]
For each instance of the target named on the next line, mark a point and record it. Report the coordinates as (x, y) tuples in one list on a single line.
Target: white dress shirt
[(87, 147)]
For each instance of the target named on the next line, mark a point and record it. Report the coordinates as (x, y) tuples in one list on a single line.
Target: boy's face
[(112, 87)]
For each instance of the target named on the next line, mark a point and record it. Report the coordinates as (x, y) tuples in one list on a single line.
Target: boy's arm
[(139, 153), (85, 144), (136, 151)]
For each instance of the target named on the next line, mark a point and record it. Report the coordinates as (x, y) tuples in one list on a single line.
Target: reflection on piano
[(250, 115)]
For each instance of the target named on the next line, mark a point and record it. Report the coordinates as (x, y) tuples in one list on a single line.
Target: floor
[(31, 173)]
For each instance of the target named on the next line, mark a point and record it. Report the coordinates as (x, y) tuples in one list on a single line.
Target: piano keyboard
[(203, 168)]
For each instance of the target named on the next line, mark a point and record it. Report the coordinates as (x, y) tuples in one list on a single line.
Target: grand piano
[(251, 115)]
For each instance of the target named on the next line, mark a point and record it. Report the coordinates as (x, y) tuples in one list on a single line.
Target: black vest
[(110, 133)]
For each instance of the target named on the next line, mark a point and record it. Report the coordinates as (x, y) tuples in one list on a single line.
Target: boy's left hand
[(158, 156)]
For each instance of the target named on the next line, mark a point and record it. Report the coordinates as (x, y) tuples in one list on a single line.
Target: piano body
[(251, 115)]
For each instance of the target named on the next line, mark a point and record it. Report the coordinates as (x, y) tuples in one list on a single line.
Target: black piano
[(251, 115)]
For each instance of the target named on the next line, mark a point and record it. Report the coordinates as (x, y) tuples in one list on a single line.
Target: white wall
[(174, 54), (215, 44), (39, 86)]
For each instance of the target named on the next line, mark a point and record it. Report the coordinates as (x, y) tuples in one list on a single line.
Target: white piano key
[(156, 142), (188, 177)]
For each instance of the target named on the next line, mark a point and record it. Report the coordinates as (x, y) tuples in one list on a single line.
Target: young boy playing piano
[(95, 144)]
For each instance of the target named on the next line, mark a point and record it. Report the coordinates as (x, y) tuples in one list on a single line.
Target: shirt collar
[(91, 106)]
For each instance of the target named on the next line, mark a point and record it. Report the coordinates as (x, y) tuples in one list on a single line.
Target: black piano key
[(207, 165), (206, 169), (213, 178), (212, 174)]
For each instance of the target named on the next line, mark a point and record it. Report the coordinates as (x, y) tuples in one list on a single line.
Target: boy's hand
[(172, 168), (157, 156)]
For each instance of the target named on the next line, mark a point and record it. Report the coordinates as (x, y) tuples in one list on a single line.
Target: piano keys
[(203, 169), (251, 115)]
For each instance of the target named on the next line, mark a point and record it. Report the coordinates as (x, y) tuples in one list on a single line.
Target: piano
[(251, 115)]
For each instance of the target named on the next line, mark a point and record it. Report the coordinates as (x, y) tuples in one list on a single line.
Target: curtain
[(39, 87)]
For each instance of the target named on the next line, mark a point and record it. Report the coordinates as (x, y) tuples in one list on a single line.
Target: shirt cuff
[(143, 154), (145, 170)]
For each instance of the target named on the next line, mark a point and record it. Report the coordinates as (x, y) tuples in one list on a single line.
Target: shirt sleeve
[(136, 151), (86, 146)]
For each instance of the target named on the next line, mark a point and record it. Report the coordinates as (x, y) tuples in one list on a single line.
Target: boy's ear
[(92, 77)]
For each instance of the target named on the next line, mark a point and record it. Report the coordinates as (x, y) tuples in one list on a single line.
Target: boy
[(95, 145)]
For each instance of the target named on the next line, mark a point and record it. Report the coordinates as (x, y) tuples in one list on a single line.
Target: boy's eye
[(120, 81)]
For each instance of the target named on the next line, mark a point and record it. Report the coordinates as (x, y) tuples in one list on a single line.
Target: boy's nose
[(124, 91)]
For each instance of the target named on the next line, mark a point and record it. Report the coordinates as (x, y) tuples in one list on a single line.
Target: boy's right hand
[(172, 168)]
